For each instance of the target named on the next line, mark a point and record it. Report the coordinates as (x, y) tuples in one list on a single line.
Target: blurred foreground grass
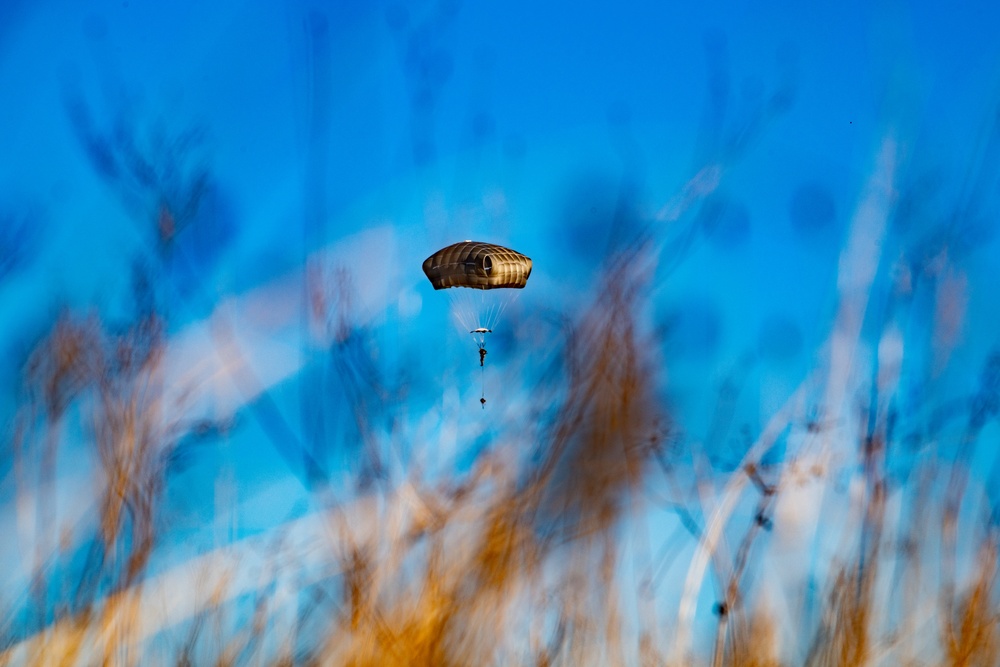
[(871, 541), (522, 560)]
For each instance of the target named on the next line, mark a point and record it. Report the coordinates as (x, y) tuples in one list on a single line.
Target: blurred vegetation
[(540, 553), (519, 560)]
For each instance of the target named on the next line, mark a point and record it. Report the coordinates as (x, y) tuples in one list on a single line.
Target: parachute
[(491, 275), (477, 265)]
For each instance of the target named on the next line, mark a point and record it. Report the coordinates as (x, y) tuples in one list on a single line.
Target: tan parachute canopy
[(477, 265)]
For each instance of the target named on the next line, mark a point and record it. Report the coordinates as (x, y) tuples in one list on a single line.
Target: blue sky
[(358, 137)]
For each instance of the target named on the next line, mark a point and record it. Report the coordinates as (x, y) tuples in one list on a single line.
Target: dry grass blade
[(975, 641)]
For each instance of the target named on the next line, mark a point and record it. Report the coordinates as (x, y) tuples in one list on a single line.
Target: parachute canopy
[(477, 265)]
